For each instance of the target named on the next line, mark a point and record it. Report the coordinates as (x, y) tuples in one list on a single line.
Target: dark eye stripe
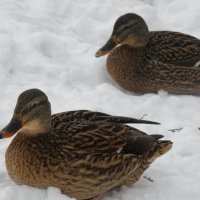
[(27, 109), (124, 27)]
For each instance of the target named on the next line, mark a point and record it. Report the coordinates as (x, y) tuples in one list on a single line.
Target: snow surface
[(50, 44)]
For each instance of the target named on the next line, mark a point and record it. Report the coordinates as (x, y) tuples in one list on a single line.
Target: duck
[(143, 61), (83, 153)]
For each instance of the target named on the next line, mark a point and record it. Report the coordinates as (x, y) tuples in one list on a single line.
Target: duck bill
[(13, 127), (110, 44)]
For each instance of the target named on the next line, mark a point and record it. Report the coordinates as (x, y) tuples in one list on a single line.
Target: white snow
[(50, 45)]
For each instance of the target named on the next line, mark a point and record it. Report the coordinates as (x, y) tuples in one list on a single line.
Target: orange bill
[(13, 127), (110, 44)]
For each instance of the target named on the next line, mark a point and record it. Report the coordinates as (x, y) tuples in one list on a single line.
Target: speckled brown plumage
[(149, 61), (83, 153)]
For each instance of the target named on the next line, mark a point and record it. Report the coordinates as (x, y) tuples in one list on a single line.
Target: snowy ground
[(51, 44)]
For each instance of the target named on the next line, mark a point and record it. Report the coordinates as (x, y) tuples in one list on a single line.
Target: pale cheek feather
[(33, 127)]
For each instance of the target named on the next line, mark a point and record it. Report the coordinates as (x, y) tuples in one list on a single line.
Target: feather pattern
[(84, 153), (145, 61)]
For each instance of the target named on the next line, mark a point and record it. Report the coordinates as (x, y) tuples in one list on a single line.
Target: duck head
[(32, 114), (129, 29)]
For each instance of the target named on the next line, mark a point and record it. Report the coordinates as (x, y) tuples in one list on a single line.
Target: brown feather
[(83, 153), (166, 61)]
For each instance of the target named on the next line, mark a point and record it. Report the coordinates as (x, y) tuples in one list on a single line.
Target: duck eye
[(126, 27), (34, 105)]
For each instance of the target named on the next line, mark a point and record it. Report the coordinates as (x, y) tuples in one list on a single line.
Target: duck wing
[(99, 151), (174, 48), (86, 132), (92, 116)]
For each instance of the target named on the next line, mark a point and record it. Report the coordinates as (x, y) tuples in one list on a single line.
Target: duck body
[(165, 61), (83, 153)]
